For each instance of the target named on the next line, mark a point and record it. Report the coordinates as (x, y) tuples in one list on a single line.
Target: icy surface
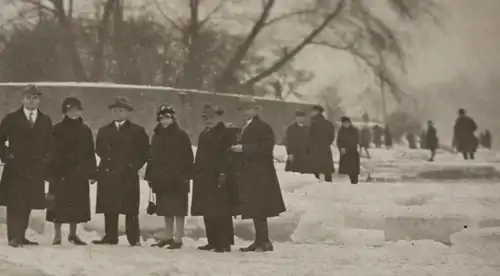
[(398, 223)]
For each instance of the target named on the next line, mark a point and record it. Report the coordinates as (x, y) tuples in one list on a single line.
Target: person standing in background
[(71, 169), (388, 137), (431, 140), (123, 148), (296, 144), (377, 136), (26, 149), (347, 143), (464, 139), (168, 174), (212, 191), (321, 138)]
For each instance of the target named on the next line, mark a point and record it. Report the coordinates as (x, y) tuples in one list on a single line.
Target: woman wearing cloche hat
[(73, 165), (168, 173)]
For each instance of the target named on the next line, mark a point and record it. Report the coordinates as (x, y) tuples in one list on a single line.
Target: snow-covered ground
[(410, 218)]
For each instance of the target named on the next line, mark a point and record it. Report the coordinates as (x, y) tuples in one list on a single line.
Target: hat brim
[(123, 106)]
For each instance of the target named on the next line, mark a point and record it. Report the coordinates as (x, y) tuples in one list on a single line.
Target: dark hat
[(461, 111), (121, 102), (300, 113), (345, 119), (247, 102), (32, 90), (165, 111), (211, 110), (318, 108), (71, 103)]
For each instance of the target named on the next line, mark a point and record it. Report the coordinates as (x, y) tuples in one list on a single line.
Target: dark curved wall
[(188, 104)]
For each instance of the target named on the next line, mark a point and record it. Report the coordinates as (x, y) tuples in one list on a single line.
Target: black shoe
[(76, 240), (56, 241), (135, 244), (175, 245), (223, 249), (250, 248), (163, 243), (15, 244), (206, 247), (28, 242), (105, 241), (264, 247)]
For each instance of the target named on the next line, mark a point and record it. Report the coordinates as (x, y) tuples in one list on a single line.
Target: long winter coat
[(212, 193), (349, 162), (123, 152), (388, 137), (26, 159), (365, 139), (169, 169), (259, 193), (321, 137), (464, 139), (73, 165), (431, 138), (296, 145), (377, 135)]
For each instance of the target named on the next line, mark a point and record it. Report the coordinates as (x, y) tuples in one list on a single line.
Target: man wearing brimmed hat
[(26, 148), (212, 182), (321, 138), (464, 137), (123, 148), (259, 193), (296, 144)]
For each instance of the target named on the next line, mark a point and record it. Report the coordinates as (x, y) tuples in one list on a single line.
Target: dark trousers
[(328, 176), (261, 231), (219, 230), (131, 228), (354, 178), (17, 222), (468, 155), (433, 153)]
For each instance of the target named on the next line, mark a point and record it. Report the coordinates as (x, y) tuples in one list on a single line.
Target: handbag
[(151, 209)]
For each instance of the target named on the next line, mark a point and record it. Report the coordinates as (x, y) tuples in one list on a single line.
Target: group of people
[(232, 173), (308, 146)]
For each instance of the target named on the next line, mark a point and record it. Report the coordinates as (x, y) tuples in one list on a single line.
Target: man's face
[(31, 102), (315, 112), (346, 124), (166, 121), (120, 114), (74, 113), (211, 120), (248, 112), (300, 119)]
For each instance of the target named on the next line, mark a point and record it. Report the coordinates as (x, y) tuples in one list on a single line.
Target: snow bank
[(480, 242)]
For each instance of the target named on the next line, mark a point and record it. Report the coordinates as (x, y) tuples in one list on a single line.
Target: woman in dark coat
[(347, 142), (212, 189), (168, 173), (431, 140), (73, 165), (296, 144)]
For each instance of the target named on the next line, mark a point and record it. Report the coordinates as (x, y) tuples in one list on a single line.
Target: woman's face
[(166, 121), (74, 113)]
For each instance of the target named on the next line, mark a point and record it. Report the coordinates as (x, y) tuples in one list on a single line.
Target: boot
[(76, 240), (265, 247), (175, 245), (250, 248), (28, 242), (206, 247)]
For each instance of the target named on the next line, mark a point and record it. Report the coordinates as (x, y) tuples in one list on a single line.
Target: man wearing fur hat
[(258, 188), (123, 148), (26, 148), (321, 138)]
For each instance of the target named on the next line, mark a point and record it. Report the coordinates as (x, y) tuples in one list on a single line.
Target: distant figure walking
[(378, 132), (296, 144), (388, 137), (321, 138), (347, 142), (486, 141), (464, 139), (412, 140), (365, 140), (431, 140)]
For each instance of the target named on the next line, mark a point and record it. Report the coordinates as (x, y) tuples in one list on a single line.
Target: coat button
[(107, 170)]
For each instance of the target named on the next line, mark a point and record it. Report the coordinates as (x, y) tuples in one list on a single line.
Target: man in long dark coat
[(431, 140), (212, 191), (26, 148), (464, 139), (487, 140), (296, 144), (259, 193), (347, 143), (123, 148), (321, 137), (377, 136)]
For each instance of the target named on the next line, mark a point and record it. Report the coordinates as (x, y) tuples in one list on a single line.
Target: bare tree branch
[(306, 41), (214, 11), (39, 5), (285, 16), (166, 17)]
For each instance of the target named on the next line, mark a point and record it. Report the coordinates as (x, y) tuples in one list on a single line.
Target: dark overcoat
[(169, 169), (349, 162), (259, 193), (431, 138), (377, 135), (365, 137), (388, 137), (463, 134), (73, 165), (321, 137), (123, 152), (26, 159), (296, 145), (212, 194)]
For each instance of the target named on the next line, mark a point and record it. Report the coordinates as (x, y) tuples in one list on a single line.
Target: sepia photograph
[(249, 137)]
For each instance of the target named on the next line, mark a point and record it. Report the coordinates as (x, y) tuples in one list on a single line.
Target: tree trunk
[(191, 76), (98, 66)]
